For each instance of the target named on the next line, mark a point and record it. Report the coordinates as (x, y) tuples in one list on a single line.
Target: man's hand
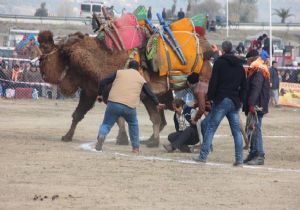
[(160, 107), (99, 99), (208, 106)]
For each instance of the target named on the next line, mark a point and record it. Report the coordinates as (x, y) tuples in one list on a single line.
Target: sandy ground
[(35, 164)]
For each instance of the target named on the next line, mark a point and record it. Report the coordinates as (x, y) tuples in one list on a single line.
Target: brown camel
[(80, 61)]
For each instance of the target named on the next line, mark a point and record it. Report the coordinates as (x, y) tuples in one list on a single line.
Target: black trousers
[(188, 136)]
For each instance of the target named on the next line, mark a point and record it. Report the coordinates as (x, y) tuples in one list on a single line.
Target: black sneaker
[(257, 161), (185, 149), (249, 158), (100, 141), (238, 164)]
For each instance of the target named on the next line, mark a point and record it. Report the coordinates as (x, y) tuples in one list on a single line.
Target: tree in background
[(244, 11), (283, 14), (171, 12), (210, 7), (42, 11)]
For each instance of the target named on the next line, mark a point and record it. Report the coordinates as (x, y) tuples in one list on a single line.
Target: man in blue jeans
[(256, 104), (123, 99), (226, 90)]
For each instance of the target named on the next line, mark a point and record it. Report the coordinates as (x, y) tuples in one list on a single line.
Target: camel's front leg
[(85, 104), (155, 118)]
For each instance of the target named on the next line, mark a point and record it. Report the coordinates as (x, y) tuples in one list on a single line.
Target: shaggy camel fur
[(80, 61)]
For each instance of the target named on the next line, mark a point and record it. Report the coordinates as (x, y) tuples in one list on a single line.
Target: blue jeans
[(112, 113), (212, 122), (256, 146)]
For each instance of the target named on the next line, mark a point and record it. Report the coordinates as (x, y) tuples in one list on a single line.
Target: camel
[(81, 61)]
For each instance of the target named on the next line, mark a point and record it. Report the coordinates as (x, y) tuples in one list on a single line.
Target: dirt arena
[(38, 171)]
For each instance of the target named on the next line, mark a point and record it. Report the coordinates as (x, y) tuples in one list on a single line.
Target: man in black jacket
[(227, 88), (256, 103)]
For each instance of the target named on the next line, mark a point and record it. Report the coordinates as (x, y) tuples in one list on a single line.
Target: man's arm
[(201, 106), (146, 89), (105, 82)]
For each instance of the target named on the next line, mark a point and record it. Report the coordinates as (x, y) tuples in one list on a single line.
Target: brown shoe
[(168, 147), (136, 150)]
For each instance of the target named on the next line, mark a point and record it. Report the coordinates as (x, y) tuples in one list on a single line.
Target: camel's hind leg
[(85, 104), (122, 138)]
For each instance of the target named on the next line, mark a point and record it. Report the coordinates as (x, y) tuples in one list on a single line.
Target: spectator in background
[(274, 84), (287, 77), (240, 49), (149, 14), (280, 75), (16, 73), (2, 64), (298, 77), (207, 23), (123, 11), (180, 14), (164, 14), (213, 25)]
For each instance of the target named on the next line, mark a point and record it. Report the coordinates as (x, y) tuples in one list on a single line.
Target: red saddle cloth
[(129, 31)]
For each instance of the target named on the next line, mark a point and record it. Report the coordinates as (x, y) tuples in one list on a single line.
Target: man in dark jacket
[(226, 90), (180, 14), (274, 84), (256, 103)]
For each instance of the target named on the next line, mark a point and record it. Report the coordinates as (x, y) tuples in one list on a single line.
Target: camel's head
[(52, 64)]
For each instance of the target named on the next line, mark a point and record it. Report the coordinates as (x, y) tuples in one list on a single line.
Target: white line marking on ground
[(90, 147)]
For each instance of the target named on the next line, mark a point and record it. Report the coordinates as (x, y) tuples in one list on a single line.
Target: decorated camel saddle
[(122, 33), (173, 50), (177, 50)]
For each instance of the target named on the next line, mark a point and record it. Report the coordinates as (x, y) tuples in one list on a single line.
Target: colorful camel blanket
[(164, 59), (128, 31)]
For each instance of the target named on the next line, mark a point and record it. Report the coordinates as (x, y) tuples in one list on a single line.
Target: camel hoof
[(66, 138), (152, 144), (122, 139)]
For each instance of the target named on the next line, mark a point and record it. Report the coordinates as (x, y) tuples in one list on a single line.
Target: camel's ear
[(46, 37)]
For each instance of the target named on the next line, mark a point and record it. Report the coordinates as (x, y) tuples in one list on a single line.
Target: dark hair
[(227, 46), (133, 65), (178, 102), (193, 78), (273, 62)]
